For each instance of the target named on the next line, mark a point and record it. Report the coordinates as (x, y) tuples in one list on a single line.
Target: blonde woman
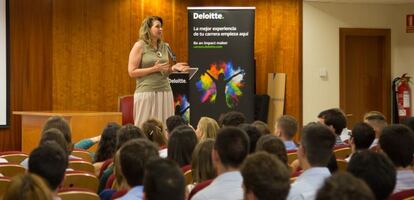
[(149, 64), (202, 165), (207, 128)]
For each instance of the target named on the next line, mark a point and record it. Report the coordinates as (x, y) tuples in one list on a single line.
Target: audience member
[(232, 118), (207, 128), (377, 121), (317, 142), (154, 131), (376, 170), (107, 143), (335, 119), (344, 186), (265, 177), (273, 145), (361, 138), (409, 121), (173, 122), (181, 145), (230, 150), (263, 127), (202, 165), (163, 180), (27, 187), (253, 133), (286, 129), (397, 141)]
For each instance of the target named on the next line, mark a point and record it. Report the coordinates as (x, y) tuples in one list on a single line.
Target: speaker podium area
[(83, 125)]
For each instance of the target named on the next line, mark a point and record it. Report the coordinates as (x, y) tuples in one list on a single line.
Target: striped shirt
[(405, 180)]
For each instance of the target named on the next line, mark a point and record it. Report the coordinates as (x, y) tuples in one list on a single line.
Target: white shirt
[(308, 183), (227, 186), (405, 180), (345, 134)]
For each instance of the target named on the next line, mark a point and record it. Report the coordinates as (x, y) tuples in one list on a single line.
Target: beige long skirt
[(148, 105)]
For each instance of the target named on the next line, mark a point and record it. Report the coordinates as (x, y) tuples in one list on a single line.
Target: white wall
[(321, 23)]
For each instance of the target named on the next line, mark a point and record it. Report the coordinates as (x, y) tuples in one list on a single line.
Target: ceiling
[(366, 1)]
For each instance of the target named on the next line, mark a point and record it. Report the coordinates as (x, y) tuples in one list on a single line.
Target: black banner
[(221, 45), (180, 86)]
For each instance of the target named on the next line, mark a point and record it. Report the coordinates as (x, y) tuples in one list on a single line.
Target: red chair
[(403, 195), (125, 106), (199, 187)]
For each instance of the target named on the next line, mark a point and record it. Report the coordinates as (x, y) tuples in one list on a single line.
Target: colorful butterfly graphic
[(182, 107)]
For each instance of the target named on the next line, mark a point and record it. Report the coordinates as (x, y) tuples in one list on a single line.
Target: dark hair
[(397, 141), (266, 176), (49, 161), (126, 133), (409, 122), (134, 155), (334, 117), (174, 121), (232, 145), (317, 141), (262, 127), (107, 144), (55, 135), (362, 135), (273, 145), (154, 131), (288, 125), (232, 118), (61, 124), (376, 170), (164, 181), (344, 186), (253, 133), (181, 145), (27, 186)]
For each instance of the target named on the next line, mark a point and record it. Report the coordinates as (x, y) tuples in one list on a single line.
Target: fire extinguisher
[(403, 94)]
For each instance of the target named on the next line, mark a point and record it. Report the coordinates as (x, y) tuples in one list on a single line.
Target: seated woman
[(181, 145), (207, 128), (153, 129), (106, 146), (202, 165), (28, 186)]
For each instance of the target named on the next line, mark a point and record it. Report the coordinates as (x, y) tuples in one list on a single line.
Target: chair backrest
[(125, 106), (292, 157), (81, 165), (85, 155), (188, 176), (342, 153), (4, 184), (342, 164), (14, 157), (10, 170), (403, 195), (80, 180), (76, 195)]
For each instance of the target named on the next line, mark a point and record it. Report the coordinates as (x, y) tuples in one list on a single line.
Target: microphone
[(171, 53)]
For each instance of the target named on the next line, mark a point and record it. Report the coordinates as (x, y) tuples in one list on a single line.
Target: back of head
[(273, 145), (362, 136), (317, 141), (397, 141), (263, 127), (409, 122), (60, 123), (107, 144), (164, 181), (126, 133), (376, 170), (174, 121), (265, 176), (232, 146), (334, 117), (49, 161), (134, 155), (154, 131), (201, 164), (377, 120), (27, 187), (344, 186), (181, 145), (55, 135), (288, 126), (253, 133), (232, 118), (208, 127)]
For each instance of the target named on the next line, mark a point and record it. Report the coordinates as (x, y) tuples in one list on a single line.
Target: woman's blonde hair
[(202, 165), (145, 29), (153, 129), (208, 128), (28, 186)]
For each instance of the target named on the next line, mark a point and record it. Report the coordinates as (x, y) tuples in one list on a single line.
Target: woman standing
[(149, 64)]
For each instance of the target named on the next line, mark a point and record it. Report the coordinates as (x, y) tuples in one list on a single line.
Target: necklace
[(159, 54)]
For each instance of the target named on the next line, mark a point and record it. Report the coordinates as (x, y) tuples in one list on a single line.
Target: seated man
[(397, 141), (377, 121), (230, 149), (286, 129), (163, 180), (314, 153), (134, 155), (362, 136), (335, 119), (265, 177), (232, 118)]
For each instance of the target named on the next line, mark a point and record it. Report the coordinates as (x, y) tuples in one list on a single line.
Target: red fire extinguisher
[(403, 93)]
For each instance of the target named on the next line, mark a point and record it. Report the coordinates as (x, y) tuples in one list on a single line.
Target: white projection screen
[(4, 78)]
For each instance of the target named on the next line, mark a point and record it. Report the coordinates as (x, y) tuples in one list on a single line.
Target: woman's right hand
[(161, 67)]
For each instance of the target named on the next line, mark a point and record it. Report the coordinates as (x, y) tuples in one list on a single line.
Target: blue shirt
[(134, 193), (308, 183), (227, 186), (290, 145)]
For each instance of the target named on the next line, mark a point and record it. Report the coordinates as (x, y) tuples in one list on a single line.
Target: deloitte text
[(207, 16)]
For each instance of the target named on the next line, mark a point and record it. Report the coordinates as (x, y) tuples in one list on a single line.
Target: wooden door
[(365, 77)]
